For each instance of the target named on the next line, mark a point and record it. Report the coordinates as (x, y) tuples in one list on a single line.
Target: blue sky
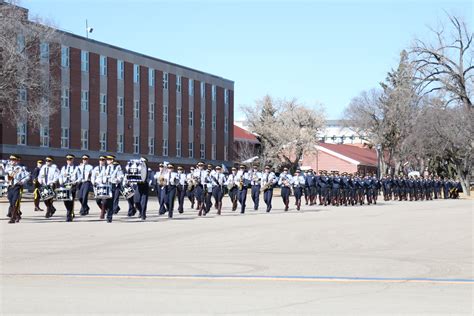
[(320, 52)]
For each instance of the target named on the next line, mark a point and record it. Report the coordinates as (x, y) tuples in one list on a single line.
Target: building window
[(213, 122), (22, 95), (84, 61), (64, 56), (120, 143), (225, 153), (165, 80), (151, 112), (85, 100), (202, 152), (136, 144), (64, 137), (165, 114), (65, 97), (120, 106), (136, 73), (191, 150), (136, 109), (84, 139), (178, 84), (203, 90), (44, 135), (213, 157), (202, 120), (191, 119), (21, 134), (226, 124), (165, 147), (214, 92), (103, 65), (103, 141), (44, 51), (151, 77), (178, 116), (226, 96), (178, 148), (103, 103), (120, 69), (151, 145), (191, 87)]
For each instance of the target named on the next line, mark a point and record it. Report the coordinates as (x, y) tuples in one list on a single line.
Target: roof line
[(338, 155), (142, 55)]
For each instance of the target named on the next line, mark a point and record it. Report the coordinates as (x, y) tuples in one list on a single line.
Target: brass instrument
[(266, 186), (11, 175), (241, 184), (161, 181)]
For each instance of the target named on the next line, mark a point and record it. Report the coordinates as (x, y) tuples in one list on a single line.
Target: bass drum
[(136, 171)]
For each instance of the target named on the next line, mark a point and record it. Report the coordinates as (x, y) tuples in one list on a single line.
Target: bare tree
[(26, 86), (446, 63), (444, 68), (286, 129), (387, 116)]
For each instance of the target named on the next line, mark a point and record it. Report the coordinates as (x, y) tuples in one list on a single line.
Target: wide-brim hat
[(70, 156), (85, 157), (49, 158), (14, 157)]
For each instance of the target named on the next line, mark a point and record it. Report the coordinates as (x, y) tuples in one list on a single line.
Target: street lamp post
[(378, 147)]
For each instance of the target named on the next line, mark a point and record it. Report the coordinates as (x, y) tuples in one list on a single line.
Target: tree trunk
[(465, 179)]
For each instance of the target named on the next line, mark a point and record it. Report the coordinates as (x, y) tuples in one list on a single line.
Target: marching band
[(203, 187)]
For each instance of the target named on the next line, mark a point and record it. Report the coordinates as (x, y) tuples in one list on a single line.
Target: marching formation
[(204, 186)]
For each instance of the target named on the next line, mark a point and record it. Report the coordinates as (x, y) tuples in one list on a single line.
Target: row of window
[(136, 73), (65, 102), (44, 142)]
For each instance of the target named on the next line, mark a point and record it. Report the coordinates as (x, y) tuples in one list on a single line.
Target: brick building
[(341, 157), (114, 100)]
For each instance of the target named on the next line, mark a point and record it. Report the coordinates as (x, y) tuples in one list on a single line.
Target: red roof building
[(341, 157)]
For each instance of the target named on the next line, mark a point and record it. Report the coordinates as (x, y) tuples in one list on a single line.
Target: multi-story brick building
[(114, 100)]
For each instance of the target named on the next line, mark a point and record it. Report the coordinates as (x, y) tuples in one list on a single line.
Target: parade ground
[(390, 258)]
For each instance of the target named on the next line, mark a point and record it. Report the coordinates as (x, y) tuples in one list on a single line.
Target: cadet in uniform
[(171, 182), (140, 198), (96, 178), (114, 176), (68, 179), (48, 176), (200, 175), (268, 181), (231, 183), (298, 183), (336, 186), (218, 181), (36, 185), (17, 176), (181, 189), (255, 177), (160, 185), (284, 182), (85, 184), (243, 182), (190, 186)]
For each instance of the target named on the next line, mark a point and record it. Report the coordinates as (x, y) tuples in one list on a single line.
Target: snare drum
[(46, 193), (3, 188), (127, 191), (103, 191), (63, 194)]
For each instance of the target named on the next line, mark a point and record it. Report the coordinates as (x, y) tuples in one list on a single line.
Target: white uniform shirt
[(98, 174), (182, 178), (114, 173), (298, 181), (268, 178), (201, 175), (68, 175), (230, 179), (48, 175), (284, 176), (84, 172), (255, 174), (21, 174)]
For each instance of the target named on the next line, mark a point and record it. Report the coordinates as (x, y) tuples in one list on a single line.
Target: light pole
[(88, 29), (378, 147)]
